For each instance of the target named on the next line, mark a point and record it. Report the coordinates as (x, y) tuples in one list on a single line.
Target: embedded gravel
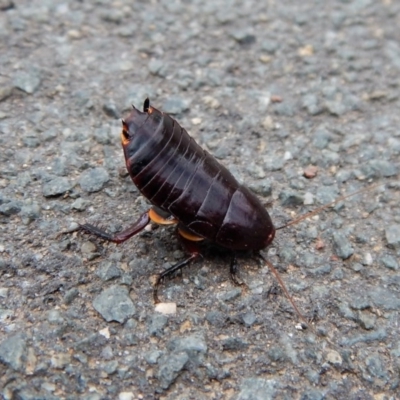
[(300, 100)]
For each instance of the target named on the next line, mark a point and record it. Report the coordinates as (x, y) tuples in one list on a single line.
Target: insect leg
[(119, 237), (191, 247), (234, 270)]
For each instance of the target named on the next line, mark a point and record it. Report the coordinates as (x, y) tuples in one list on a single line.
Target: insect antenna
[(283, 286)]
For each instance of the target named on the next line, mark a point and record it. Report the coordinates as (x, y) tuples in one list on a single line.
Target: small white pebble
[(368, 259), (333, 357), (126, 396), (287, 155), (105, 332), (196, 121), (166, 308), (308, 198)]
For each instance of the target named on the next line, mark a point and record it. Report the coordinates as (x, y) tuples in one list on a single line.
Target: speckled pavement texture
[(300, 100)]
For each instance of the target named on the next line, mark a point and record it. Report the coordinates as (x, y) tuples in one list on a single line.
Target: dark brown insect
[(188, 187)]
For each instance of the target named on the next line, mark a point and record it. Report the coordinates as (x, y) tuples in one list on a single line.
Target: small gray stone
[(290, 198), (383, 168), (248, 318), (326, 194), (94, 179), (346, 312), (127, 30), (31, 140), (230, 295), (270, 46), (80, 204), (56, 187), (284, 109), (257, 389), (225, 15), (126, 279), (192, 344), (158, 67), (375, 366), (30, 212), (276, 354), (55, 317), (373, 336), (334, 358), (12, 351), (156, 324), (338, 274), (213, 77), (319, 271), (262, 187), (321, 138), (234, 344), (366, 320), (357, 267), (175, 105), (312, 394), (169, 368), (152, 356), (108, 270), (342, 246), (27, 81), (5, 91), (287, 254), (360, 302), (243, 37), (256, 171), (216, 318), (312, 104), (107, 353), (10, 208), (111, 110), (60, 360), (384, 298), (49, 134), (113, 15), (70, 295), (313, 376), (114, 304), (101, 135), (390, 262), (88, 247), (336, 108), (110, 367), (392, 234)]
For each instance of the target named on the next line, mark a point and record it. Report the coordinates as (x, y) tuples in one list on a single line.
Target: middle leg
[(191, 244)]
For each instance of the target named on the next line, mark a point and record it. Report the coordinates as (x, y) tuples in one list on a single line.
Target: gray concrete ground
[(270, 88)]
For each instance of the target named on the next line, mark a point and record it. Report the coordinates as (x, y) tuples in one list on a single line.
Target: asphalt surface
[(299, 101)]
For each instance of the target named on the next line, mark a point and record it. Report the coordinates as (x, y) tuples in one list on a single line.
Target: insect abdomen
[(177, 175)]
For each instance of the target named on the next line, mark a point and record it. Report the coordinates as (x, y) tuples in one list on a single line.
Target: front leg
[(119, 237)]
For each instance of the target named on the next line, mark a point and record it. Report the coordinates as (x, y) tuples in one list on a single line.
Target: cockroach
[(188, 187)]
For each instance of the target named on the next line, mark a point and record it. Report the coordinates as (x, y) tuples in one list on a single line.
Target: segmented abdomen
[(177, 175)]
